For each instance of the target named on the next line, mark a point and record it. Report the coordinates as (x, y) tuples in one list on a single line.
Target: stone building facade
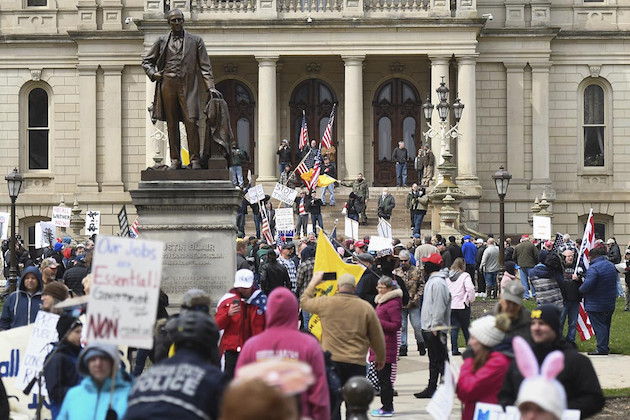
[(546, 89)]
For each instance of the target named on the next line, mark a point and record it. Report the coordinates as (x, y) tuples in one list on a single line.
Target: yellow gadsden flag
[(328, 260), (322, 181)]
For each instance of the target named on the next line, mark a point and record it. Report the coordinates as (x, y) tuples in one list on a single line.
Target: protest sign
[(284, 219), (284, 193), (255, 194), (352, 229), (92, 222), (61, 216), (123, 297), (441, 404), (45, 234), (384, 228), (4, 225), (542, 227), (39, 345), (378, 243)]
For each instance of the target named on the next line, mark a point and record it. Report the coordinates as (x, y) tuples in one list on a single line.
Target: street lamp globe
[(427, 108), (458, 109), (502, 181), (442, 91), (442, 109), (14, 181)]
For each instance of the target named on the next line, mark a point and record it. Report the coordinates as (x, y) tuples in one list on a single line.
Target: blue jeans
[(416, 324), (401, 173), (237, 175), (525, 282), (491, 279), (331, 191), (460, 318), (240, 222), (417, 222), (306, 318), (601, 326), (570, 310), (619, 288), (257, 223), (281, 167), (317, 218)]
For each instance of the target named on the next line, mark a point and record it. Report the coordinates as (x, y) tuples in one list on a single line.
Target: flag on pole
[(316, 170), (303, 132), (133, 230), (327, 137), (584, 328), (266, 230)]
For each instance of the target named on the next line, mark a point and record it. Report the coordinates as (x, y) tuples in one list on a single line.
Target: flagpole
[(583, 244), (298, 165)]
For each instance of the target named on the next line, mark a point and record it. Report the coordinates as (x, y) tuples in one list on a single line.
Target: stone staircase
[(401, 222)]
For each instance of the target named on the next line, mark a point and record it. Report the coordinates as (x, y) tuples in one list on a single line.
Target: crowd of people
[(202, 363)]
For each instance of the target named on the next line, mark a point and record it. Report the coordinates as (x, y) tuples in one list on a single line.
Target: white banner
[(284, 219), (61, 216), (284, 194), (45, 234), (352, 229), (384, 228), (126, 275), (92, 222), (4, 225), (255, 194), (379, 243), (542, 227), (39, 345)]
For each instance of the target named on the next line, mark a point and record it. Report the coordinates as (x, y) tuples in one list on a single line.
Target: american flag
[(133, 230), (279, 242), (266, 230), (303, 132), (302, 168), (584, 327), (327, 138), (316, 170)]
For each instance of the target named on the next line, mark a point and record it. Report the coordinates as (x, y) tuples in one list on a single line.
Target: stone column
[(87, 128), (112, 127), (267, 118), (540, 123), (439, 69), (516, 118), (467, 143), (353, 116)]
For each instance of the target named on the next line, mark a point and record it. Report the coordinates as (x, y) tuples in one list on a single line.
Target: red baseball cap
[(548, 243), (359, 244), (434, 258)]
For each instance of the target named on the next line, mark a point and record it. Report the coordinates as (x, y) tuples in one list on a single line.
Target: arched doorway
[(242, 108), (397, 110), (316, 98)]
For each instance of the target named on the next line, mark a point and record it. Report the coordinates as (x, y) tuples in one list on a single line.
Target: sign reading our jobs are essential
[(283, 193), (124, 293), (61, 216)]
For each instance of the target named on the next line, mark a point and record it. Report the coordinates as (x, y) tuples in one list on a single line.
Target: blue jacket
[(87, 402), (182, 387), (21, 308), (600, 286), (470, 252)]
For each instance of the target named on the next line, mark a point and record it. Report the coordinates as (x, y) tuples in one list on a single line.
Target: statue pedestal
[(196, 220)]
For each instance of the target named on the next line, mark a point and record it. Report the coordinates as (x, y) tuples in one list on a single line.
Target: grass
[(617, 392)]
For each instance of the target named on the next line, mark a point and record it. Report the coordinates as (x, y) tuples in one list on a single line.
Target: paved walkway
[(613, 371)]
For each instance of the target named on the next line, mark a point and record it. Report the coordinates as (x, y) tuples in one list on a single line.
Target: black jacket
[(366, 287), (61, 373), (73, 277), (455, 251), (284, 155), (274, 275), (242, 263), (578, 379)]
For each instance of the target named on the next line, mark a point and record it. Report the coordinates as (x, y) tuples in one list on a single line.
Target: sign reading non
[(123, 222), (126, 275), (61, 216), (92, 222), (283, 193), (284, 219)]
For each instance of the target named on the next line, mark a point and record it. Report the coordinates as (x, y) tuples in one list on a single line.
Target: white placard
[(542, 227), (384, 228), (284, 219), (61, 216), (255, 194), (441, 403), (284, 193), (45, 234), (92, 222), (123, 297), (486, 411), (39, 345), (352, 229), (4, 225), (378, 243)]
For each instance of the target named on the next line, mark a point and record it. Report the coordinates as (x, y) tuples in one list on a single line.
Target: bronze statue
[(174, 62)]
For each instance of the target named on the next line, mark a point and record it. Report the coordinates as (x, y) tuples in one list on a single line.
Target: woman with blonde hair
[(462, 295)]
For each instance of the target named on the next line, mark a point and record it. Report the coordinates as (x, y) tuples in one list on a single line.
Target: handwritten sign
[(126, 275), (4, 225), (284, 219), (255, 194), (351, 229), (542, 227), (284, 193), (92, 222), (61, 216), (45, 234), (44, 333)]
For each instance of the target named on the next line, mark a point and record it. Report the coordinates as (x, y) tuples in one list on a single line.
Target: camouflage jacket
[(414, 282)]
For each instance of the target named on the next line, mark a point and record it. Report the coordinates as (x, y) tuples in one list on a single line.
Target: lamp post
[(14, 181), (501, 181), (443, 131)]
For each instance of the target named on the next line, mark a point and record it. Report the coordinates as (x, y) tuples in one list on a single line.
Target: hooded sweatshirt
[(21, 307), (436, 307), (281, 339)]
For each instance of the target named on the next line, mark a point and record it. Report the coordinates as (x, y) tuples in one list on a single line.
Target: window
[(594, 126), (31, 3), (38, 130)]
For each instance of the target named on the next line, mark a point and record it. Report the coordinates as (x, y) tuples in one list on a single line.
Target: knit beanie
[(57, 290), (64, 324), (551, 315), (510, 267), (490, 330)]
